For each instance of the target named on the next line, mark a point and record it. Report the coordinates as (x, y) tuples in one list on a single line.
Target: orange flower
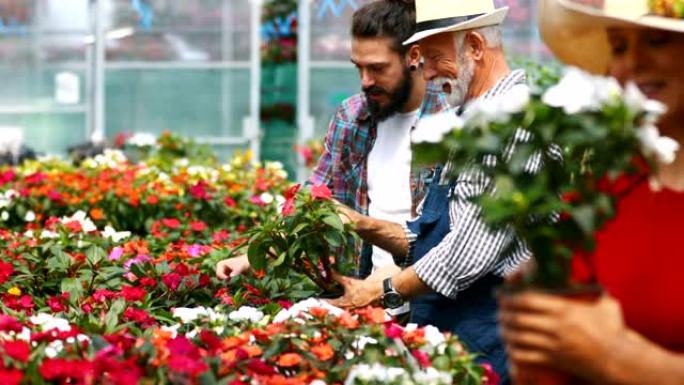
[(289, 360), (252, 350), (318, 312), (415, 337), (348, 321), (233, 342), (373, 314), (97, 214), (323, 352)]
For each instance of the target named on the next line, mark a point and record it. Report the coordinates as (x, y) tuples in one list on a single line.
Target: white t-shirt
[(389, 173)]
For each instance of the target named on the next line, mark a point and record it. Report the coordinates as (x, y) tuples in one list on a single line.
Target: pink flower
[(7, 176), (172, 280), (171, 223), (230, 202), (256, 199), (198, 226), (288, 207), (199, 191), (9, 324), (195, 250), (490, 376), (54, 195), (116, 253), (292, 191), (422, 358), (321, 192), (392, 330), (6, 269)]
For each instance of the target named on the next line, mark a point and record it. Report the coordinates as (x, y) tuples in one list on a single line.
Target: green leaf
[(333, 238), (334, 221), (95, 255), (73, 286), (112, 317), (256, 256), (280, 260)]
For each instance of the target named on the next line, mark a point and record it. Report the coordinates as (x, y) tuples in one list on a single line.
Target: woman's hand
[(232, 267)]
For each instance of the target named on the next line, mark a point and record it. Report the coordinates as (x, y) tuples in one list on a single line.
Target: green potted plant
[(308, 237), (593, 138)]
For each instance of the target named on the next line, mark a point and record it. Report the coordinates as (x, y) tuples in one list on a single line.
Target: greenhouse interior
[(345, 192)]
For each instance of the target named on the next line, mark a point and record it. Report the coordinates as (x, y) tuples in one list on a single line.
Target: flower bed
[(107, 276)]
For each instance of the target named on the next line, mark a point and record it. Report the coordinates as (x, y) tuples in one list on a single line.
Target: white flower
[(653, 144), (172, 329), (115, 236), (188, 315), (578, 91), (515, 100), (432, 376), (317, 382), (301, 310), (54, 348), (266, 198), (433, 128), (433, 336), (376, 373), (360, 344), (142, 139), (86, 224), (49, 322), (47, 234), (4, 216), (28, 234), (246, 313), (30, 216)]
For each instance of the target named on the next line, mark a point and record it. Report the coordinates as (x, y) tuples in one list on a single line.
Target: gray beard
[(460, 85)]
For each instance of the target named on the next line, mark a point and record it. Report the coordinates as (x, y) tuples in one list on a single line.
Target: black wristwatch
[(391, 299)]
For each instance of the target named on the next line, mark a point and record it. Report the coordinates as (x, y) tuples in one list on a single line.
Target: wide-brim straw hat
[(575, 30), (438, 16)]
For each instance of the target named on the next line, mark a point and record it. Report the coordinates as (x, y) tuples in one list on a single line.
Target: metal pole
[(97, 129), (304, 120), (253, 127)]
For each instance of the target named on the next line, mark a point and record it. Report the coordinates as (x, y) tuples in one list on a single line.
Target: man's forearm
[(408, 284), (388, 236)]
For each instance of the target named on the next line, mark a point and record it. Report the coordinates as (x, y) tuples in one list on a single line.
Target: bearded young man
[(367, 157)]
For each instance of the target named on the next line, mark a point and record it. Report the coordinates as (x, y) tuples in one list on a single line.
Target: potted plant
[(308, 237), (594, 140)]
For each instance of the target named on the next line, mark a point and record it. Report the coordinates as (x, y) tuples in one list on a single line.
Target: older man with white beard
[(452, 260)]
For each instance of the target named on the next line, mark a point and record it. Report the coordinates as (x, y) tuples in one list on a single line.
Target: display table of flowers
[(107, 277)]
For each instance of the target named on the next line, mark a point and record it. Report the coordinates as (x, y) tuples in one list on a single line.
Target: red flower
[(199, 191), (148, 282), (490, 376), (35, 178), (171, 223), (259, 367), (70, 371), (230, 202), (285, 304), (185, 357), (213, 343), (139, 315), (292, 191), (101, 295), (289, 360), (198, 226), (7, 176), (10, 376), (172, 280), (288, 207), (18, 350), (9, 324), (321, 192), (204, 280), (6, 269), (26, 302), (571, 197), (132, 294), (55, 303), (54, 195), (74, 226), (152, 199), (422, 358)]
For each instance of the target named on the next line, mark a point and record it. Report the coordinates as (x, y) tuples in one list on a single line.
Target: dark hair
[(394, 19)]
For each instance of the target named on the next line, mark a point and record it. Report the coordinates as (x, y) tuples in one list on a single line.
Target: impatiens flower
[(288, 207), (148, 282), (246, 313), (18, 350), (258, 366), (54, 195), (86, 225), (48, 322), (433, 336), (171, 223), (256, 199), (321, 192), (132, 294), (6, 269), (198, 226), (116, 253), (172, 280), (9, 324), (199, 191), (490, 376), (30, 216), (422, 358), (664, 149), (392, 330), (292, 191), (195, 251), (116, 236), (10, 376), (289, 360), (230, 202), (266, 198), (323, 352), (433, 128), (140, 259)]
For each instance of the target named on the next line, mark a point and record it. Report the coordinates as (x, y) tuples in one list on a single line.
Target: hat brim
[(576, 33), (493, 18)]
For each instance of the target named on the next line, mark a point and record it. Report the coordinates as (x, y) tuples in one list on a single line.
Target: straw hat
[(575, 30), (437, 16)]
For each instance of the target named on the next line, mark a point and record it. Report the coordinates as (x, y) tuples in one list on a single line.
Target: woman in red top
[(635, 333)]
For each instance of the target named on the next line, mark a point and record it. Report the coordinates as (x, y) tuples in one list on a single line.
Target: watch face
[(392, 300)]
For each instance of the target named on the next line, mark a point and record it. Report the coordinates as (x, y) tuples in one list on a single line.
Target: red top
[(640, 261)]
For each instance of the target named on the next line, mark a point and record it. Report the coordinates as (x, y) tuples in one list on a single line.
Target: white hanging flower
[(115, 236), (653, 144), (246, 313), (30, 216), (433, 128)]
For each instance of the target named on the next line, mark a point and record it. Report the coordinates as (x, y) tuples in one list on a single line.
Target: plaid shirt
[(351, 135)]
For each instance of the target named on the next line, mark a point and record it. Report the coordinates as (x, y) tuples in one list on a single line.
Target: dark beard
[(397, 99)]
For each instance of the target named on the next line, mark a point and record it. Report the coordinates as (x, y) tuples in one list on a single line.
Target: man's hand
[(232, 267), (357, 293), (571, 335), (346, 214), (386, 271)]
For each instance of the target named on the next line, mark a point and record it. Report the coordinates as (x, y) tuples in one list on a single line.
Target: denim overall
[(473, 316)]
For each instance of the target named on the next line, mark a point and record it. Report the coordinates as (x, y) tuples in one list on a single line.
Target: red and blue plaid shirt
[(351, 135)]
